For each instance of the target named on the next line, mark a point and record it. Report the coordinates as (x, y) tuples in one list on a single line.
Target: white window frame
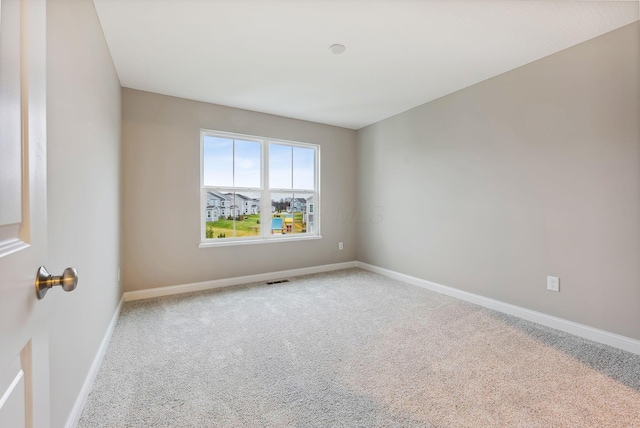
[(264, 191)]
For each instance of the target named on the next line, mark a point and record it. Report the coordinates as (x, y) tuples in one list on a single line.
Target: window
[(256, 189)]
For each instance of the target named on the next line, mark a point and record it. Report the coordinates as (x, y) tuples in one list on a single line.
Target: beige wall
[(83, 138), (535, 172), (161, 197)]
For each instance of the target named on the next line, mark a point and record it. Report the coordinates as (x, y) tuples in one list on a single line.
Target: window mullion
[(291, 167), (293, 190), (265, 198), (233, 163), (203, 198)]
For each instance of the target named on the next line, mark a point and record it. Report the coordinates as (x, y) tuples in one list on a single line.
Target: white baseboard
[(76, 411), (227, 282), (600, 336)]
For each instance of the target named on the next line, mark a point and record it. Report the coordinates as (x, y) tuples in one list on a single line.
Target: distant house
[(310, 214), (214, 207), (212, 213), (230, 206), (246, 205), (220, 205), (298, 205)]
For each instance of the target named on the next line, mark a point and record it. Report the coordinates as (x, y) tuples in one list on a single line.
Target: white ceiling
[(273, 56)]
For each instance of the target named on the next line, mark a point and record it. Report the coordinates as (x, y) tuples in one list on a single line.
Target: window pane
[(281, 215), (219, 215), (247, 221), (218, 161), (303, 168), (229, 214), (280, 166), (301, 206), (247, 164)]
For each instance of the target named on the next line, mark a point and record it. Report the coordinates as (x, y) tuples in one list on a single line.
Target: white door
[(24, 358)]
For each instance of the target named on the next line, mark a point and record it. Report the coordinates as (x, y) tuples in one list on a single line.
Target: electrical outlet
[(340, 246), (553, 283)]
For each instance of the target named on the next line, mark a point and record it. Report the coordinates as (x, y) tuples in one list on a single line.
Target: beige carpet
[(351, 349)]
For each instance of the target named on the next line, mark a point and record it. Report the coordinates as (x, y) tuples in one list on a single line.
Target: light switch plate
[(553, 283)]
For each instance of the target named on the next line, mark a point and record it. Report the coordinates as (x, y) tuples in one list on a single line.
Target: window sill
[(257, 241)]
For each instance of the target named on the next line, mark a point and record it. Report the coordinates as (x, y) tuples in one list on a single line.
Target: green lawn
[(247, 227)]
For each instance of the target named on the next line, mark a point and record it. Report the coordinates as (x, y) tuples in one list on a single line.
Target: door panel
[(24, 373), (10, 112), (10, 126), (13, 408)]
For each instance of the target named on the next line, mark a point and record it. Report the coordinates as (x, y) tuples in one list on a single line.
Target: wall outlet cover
[(553, 283)]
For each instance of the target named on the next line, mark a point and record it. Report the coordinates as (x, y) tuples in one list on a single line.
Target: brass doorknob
[(44, 281)]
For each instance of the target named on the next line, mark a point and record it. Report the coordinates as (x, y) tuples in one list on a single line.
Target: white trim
[(81, 400), (10, 246), (249, 241), (600, 336), (228, 282), (265, 191)]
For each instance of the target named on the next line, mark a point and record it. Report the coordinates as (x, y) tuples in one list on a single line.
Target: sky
[(289, 167)]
